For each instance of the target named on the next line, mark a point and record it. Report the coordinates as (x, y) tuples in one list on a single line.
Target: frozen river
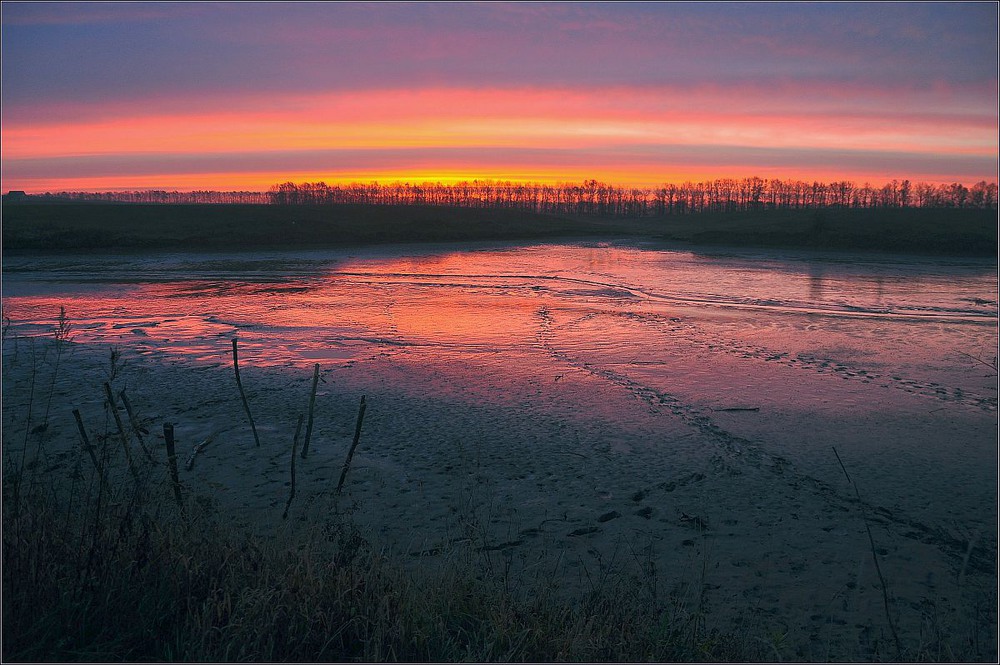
[(862, 313)]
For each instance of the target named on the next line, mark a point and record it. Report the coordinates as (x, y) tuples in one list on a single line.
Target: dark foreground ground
[(84, 227)]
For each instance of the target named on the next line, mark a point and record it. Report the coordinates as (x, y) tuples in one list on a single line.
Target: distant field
[(911, 230), (85, 227)]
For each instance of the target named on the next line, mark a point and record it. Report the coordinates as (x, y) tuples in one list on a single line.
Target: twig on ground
[(197, 449), (993, 366)]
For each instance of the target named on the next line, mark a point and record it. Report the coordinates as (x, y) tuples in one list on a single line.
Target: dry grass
[(120, 577)]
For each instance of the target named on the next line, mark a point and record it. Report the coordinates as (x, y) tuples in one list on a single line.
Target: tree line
[(597, 198), (146, 196), (591, 197)]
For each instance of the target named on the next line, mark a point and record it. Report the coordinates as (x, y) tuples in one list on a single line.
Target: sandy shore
[(634, 483)]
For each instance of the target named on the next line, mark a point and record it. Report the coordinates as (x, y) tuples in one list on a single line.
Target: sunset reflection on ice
[(603, 302)]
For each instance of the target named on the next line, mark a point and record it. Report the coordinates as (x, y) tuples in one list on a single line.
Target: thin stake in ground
[(295, 443), (243, 396), (350, 453), (312, 405)]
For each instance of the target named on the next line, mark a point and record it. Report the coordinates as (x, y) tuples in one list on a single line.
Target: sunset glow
[(469, 94)]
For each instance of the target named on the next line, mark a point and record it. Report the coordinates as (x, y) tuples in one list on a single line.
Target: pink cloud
[(448, 117)]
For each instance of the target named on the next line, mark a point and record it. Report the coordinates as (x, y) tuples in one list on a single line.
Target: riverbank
[(49, 228), (663, 510)]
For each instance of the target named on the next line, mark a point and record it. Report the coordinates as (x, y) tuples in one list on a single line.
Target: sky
[(241, 96)]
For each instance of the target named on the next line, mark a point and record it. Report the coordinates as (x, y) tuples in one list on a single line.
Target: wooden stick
[(992, 366), (350, 453), (135, 424), (90, 451), (295, 443), (168, 436), (312, 404), (239, 384), (121, 431), (86, 440)]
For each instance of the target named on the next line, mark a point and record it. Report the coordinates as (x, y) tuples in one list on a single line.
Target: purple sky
[(110, 95)]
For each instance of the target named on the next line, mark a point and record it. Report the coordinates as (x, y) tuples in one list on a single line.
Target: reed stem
[(168, 437)]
